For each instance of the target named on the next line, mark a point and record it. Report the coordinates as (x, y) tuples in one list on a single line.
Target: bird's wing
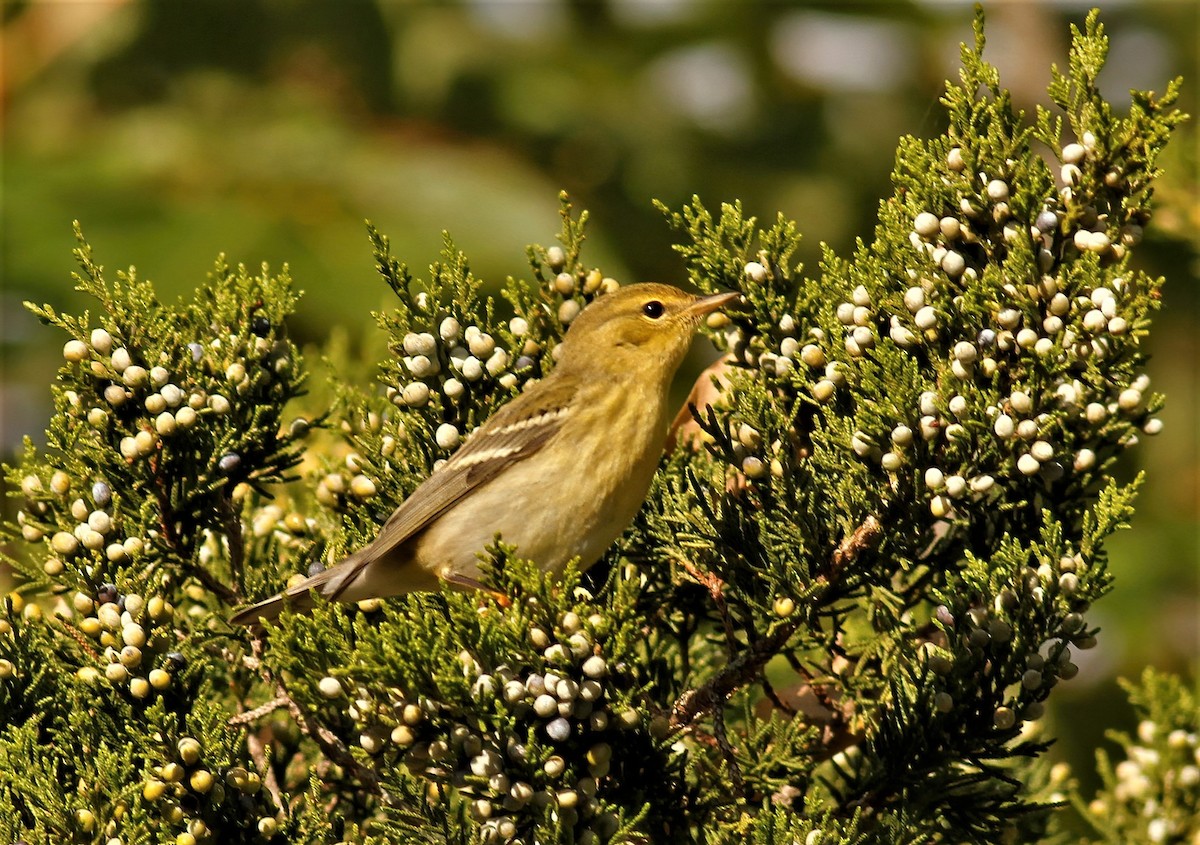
[(512, 434)]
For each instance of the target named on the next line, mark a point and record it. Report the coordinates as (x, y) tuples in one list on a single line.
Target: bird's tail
[(371, 572), (298, 598)]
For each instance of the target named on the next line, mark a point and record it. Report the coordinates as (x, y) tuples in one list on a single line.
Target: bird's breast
[(570, 499)]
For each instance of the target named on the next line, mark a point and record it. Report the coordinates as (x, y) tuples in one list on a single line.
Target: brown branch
[(248, 716), (773, 696), (816, 704), (716, 590), (736, 674), (333, 748), (863, 538), (797, 666), (735, 771), (232, 524), (254, 742), (166, 523), (746, 666), (81, 639), (258, 753), (164, 501), (223, 592)]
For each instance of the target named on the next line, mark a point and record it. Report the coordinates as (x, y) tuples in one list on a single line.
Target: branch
[(222, 591), (716, 590), (863, 538), (167, 524), (254, 741), (773, 697), (736, 674), (232, 523), (258, 753), (333, 748), (735, 771), (248, 716), (747, 665), (78, 636)]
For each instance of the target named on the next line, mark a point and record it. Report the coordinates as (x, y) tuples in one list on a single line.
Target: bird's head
[(645, 327)]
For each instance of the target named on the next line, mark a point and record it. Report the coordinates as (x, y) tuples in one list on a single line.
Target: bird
[(558, 472)]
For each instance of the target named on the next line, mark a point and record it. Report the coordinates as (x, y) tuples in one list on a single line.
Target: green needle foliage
[(864, 565), (1160, 772)]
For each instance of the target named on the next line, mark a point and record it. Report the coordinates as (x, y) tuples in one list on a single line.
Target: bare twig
[(819, 707), (222, 591), (735, 771), (257, 713), (79, 637), (258, 754), (164, 502), (747, 665), (332, 747), (736, 674), (773, 697), (716, 590), (232, 524), (254, 740), (864, 537)]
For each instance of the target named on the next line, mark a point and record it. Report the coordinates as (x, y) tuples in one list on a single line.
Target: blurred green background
[(268, 130)]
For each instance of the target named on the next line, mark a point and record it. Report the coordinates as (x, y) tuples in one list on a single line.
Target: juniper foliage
[(1160, 769), (856, 579)]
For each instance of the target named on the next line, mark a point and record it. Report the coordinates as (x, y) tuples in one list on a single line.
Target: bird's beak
[(707, 304)]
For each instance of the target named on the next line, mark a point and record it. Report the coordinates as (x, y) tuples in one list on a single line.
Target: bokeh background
[(268, 130)]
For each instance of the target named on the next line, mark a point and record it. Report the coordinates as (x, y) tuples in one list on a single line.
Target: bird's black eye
[(653, 309)]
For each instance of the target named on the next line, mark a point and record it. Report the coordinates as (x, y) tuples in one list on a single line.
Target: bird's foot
[(464, 582)]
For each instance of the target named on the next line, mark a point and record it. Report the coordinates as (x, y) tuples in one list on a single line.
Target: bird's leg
[(465, 582)]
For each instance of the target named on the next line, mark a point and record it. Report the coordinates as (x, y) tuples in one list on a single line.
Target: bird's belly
[(553, 507), (454, 545)]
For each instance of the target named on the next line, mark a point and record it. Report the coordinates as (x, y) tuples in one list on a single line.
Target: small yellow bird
[(558, 472)]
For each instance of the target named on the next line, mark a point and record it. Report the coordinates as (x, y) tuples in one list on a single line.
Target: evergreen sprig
[(1151, 794), (863, 567)]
